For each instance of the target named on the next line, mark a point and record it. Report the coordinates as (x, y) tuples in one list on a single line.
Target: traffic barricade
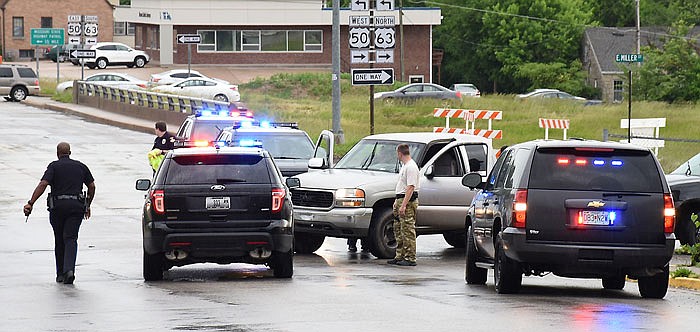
[(470, 116), (555, 124)]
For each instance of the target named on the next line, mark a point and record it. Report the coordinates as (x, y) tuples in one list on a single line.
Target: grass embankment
[(306, 99)]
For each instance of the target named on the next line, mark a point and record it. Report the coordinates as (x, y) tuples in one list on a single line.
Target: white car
[(177, 76), (113, 54), (112, 79), (202, 87), (469, 90)]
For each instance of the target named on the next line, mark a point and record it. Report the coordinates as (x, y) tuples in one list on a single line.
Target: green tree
[(615, 13)]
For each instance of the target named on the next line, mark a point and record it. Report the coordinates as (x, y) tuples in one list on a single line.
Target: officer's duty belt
[(76, 197)]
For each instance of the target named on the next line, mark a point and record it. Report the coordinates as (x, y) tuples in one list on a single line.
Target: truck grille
[(312, 198)]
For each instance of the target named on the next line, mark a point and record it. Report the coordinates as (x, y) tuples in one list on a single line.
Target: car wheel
[(130, 66), (455, 239), (654, 287), (307, 243), (282, 264), (102, 63), (686, 231), (62, 58), (153, 266), (473, 275), (221, 97), (140, 62), (18, 93), (506, 272), (615, 282), (91, 66), (381, 236)]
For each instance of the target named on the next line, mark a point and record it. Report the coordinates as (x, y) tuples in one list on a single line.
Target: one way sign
[(83, 54), (373, 76), (189, 39)]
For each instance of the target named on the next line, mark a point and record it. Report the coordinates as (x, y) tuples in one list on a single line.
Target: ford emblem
[(218, 187)]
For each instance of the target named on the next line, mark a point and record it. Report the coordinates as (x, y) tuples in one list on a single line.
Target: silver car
[(17, 82), (419, 90)]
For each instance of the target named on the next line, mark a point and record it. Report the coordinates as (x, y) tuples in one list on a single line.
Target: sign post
[(45, 36), (189, 39), (629, 58), (82, 31)]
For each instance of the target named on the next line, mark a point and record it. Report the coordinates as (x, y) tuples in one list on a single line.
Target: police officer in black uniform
[(67, 207), (164, 141)]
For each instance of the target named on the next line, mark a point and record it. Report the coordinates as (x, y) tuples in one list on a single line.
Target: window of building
[(260, 40), (130, 29), (225, 41), (208, 40), (313, 40), (618, 91), (18, 27), (295, 40), (47, 22), (273, 41), (250, 40), (124, 29), (26, 53), (154, 38)]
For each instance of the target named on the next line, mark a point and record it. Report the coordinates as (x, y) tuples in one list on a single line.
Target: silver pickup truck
[(353, 199)]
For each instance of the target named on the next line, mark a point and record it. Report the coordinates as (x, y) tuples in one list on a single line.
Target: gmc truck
[(354, 198)]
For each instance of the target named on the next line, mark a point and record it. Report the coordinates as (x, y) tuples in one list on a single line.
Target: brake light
[(158, 201), (581, 162), (277, 199), (669, 214), (595, 149), (563, 161), (459, 94), (36, 82), (519, 208), (234, 88)]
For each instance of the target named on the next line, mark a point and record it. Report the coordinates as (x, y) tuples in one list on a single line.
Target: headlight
[(349, 197)]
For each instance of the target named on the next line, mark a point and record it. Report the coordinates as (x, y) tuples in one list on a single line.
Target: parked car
[(17, 82), (112, 79), (417, 91), (685, 187), (216, 204), (177, 76), (557, 94), (466, 89), (353, 198), (202, 87), (115, 54), (577, 209)]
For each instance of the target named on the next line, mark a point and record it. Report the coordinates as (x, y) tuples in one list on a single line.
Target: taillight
[(459, 94), (669, 214), (36, 82), (234, 87), (519, 208), (158, 201), (277, 199)]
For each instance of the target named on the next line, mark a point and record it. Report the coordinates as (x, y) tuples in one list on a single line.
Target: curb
[(682, 282)]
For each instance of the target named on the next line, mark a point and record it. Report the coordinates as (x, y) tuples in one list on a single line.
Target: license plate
[(218, 203), (596, 218)]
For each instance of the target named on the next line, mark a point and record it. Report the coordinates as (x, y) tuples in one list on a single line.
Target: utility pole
[(638, 31), (337, 130)]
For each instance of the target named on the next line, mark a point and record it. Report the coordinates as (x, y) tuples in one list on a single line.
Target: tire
[(282, 264), (221, 97), (615, 282), (101, 63), (654, 287), (139, 62), (153, 266), (18, 93), (506, 272), (455, 239), (62, 58), (382, 241), (307, 243), (130, 66), (686, 232), (91, 66), (473, 275)]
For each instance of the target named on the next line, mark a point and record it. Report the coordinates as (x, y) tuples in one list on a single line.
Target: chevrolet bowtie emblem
[(596, 204)]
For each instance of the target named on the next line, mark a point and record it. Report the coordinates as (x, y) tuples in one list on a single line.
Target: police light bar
[(223, 113), (264, 124)]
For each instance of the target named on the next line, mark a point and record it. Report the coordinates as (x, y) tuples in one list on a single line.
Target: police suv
[(217, 204), (203, 126)]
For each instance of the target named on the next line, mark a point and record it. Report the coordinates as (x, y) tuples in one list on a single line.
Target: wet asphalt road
[(330, 291)]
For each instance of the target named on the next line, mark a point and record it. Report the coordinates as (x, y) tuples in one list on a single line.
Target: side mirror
[(143, 184), (293, 182), (317, 163), (430, 172), (472, 180)]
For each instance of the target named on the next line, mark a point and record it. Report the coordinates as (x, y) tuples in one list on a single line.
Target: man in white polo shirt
[(405, 207)]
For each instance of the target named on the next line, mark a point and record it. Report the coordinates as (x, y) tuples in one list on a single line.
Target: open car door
[(323, 152)]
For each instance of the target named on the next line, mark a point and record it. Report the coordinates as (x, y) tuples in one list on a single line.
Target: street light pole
[(337, 130)]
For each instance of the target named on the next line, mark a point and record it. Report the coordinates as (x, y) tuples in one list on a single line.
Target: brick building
[(18, 17)]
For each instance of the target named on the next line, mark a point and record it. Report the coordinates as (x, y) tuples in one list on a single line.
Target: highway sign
[(83, 54), (75, 29), (359, 37), (359, 5), (629, 58), (73, 40), (189, 39), (91, 29), (373, 76), (384, 21), (384, 56), (359, 56), (90, 40), (74, 18), (47, 36), (384, 38), (384, 5), (359, 21)]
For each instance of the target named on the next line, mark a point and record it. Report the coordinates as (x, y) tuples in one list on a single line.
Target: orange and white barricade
[(554, 123), (470, 116)]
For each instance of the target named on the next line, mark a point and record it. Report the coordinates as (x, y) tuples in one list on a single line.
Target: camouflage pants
[(405, 230)]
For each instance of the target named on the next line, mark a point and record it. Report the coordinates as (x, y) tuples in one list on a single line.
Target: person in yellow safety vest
[(155, 157)]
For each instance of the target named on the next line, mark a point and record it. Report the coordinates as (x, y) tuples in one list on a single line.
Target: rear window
[(610, 170), (282, 146), (5, 72), (217, 169), (26, 72)]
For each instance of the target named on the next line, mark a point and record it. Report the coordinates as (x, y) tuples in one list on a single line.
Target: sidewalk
[(146, 126)]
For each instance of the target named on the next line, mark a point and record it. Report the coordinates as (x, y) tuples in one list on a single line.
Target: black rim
[(388, 234)]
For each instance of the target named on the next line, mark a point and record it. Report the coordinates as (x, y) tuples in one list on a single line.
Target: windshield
[(690, 167), (209, 130), (376, 155), (282, 146)]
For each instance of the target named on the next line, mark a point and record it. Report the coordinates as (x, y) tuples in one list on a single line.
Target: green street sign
[(47, 36), (629, 58)]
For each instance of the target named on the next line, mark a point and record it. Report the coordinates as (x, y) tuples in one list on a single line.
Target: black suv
[(221, 205), (582, 209)]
